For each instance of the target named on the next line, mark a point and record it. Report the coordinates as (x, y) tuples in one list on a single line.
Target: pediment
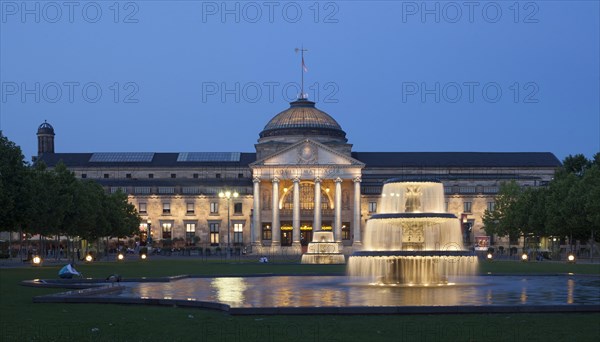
[(309, 153)]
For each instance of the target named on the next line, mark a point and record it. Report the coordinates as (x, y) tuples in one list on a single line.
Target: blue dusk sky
[(178, 76)]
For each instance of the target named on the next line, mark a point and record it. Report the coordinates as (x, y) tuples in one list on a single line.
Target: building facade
[(302, 177)]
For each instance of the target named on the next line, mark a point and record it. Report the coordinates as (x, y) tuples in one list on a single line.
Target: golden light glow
[(230, 290), (524, 257), (571, 257), (143, 256), (89, 258), (490, 256), (120, 256), (228, 194), (37, 260)]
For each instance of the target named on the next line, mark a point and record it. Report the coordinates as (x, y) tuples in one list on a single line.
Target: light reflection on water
[(313, 291)]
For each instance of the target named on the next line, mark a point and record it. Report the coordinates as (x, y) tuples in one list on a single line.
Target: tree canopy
[(38, 200), (568, 207)]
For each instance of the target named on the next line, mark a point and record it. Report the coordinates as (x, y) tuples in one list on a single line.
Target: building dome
[(303, 118), (45, 128)]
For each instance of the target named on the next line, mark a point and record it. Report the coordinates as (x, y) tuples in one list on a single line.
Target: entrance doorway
[(286, 237), (306, 236)]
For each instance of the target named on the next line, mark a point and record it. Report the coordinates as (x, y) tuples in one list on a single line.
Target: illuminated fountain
[(323, 250), (412, 240)]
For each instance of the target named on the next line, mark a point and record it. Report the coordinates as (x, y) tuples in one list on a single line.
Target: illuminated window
[(266, 232), (214, 234), (237, 233), (307, 198), (166, 230), (190, 230), (346, 231)]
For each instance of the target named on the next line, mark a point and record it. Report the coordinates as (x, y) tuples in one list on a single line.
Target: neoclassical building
[(302, 177)]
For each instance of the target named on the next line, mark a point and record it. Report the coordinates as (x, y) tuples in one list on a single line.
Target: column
[(257, 231), (317, 218), (356, 222), (275, 225), (337, 230), (296, 213)]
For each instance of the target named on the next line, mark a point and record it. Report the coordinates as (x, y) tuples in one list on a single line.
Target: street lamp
[(227, 195)]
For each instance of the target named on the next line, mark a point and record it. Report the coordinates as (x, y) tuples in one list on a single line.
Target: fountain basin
[(341, 295)]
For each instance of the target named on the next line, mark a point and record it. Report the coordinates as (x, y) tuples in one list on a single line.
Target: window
[(237, 208), (166, 230), (372, 207), (467, 207), (491, 206), (173, 175), (195, 175), (218, 175), (214, 207), (150, 175), (214, 234), (266, 232), (84, 175), (346, 231), (189, 208), (240, 175), (167, 208), (142, 206), (128, 175), (106, 175), (190, 231), (238, 233)]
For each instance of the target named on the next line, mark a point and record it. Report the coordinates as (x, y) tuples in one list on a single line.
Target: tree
[(576, 164), (122, 217), (13, 189), (502, 221)]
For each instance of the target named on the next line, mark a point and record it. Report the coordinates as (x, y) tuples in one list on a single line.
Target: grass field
[(21, 320)]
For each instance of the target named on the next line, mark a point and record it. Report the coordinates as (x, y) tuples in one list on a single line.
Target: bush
[(144, 250)]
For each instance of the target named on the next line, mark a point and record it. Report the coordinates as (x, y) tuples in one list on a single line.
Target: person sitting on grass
[(68, 271)]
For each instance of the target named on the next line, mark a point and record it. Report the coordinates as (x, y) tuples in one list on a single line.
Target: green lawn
[(21, 320)]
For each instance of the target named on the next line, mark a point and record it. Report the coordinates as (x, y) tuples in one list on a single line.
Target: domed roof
[(302, 118), (45, 128)]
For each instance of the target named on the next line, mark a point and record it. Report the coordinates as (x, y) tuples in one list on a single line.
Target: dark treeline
[(52, 202), (569, 207)]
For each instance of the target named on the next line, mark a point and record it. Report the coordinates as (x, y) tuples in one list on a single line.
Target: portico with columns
[(304, 188)]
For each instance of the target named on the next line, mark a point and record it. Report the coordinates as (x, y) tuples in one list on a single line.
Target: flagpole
[(302, 68), (302, 71)]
